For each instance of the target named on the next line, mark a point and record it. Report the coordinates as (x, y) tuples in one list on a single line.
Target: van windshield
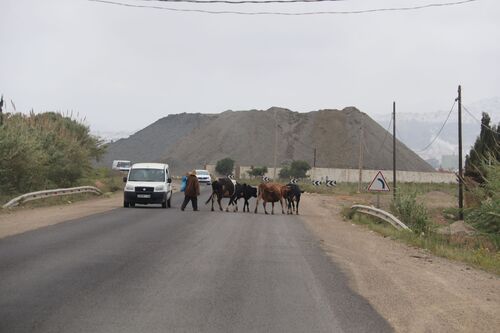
[(123, 164), (202, 172), (146, 175)]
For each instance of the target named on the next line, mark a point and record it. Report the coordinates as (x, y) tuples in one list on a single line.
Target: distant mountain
[(188, 141), (417, 130), (111, 136)]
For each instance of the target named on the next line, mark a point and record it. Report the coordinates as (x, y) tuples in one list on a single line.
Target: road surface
[(162, 270)]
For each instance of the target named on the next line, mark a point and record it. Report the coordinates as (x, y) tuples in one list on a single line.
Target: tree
[(284, 172), (486, 149), (297, 169), (225, 166), (257, 172)]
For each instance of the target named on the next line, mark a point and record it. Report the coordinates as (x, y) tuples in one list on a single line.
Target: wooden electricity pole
[(1, 111), (314, 164), (360, 158), (460, 171), (314, 160), (275, 144), (394, 149)]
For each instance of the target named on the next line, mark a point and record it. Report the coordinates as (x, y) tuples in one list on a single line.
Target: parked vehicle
[(121, 165), (203, 176), (148, 183)]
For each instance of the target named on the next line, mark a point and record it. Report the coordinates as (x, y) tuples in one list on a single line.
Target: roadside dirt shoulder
[(21, 220), (414, 290)]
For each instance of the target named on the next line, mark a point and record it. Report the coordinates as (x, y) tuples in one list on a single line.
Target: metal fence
[(50, 193), (381, 214)]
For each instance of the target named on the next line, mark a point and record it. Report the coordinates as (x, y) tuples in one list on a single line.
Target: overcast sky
[(123, 68)]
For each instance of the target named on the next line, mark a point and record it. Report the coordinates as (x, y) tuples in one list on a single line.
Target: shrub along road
[(158, 270)]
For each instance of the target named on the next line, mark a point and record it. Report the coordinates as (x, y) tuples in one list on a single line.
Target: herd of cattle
[(265, 192)]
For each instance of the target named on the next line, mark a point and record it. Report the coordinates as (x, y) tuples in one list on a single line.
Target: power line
[(385, 136), (437, 135), (483, 125), (363, 11), (479, 121), (241, 2), (399, 136)]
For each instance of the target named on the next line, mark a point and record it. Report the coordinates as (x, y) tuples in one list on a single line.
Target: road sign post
[(378, 184)]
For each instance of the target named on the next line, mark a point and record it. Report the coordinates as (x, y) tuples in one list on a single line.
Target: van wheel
[(164, 204), (168, 201), (125, 204)]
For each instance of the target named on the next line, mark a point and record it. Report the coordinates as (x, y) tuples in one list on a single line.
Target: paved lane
[(157, 270)]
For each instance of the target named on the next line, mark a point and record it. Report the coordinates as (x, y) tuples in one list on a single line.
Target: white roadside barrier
[(50, 193), (381, 214)]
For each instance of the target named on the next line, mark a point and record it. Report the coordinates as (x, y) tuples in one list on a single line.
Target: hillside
[(186, 141)]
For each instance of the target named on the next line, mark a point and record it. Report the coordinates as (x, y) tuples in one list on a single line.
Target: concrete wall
[(352, 175)]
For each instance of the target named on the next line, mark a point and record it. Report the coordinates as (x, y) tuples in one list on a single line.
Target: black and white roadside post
[(331, 183)]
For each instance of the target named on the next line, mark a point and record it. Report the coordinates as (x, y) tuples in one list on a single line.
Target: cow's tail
[(210, 198)]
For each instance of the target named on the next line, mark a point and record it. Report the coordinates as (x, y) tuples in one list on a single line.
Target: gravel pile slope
[(189, 141)]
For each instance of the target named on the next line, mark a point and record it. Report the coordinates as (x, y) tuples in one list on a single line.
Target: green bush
[(486, 217), (297, 169), (257, 171), (42, 151), (412, 213), (225, 166)]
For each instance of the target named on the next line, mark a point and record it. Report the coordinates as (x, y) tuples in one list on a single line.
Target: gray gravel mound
[(188, 141)]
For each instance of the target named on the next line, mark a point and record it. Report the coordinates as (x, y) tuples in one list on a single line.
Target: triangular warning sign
[(379, 184)]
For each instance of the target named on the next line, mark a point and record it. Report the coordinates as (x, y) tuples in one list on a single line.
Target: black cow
[(293, 198), (221, 188), (243, 191)]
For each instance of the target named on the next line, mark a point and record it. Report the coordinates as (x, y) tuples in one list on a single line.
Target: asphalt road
[(163, 270)]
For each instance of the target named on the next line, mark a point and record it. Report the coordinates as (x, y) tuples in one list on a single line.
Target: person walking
[(191, 192)]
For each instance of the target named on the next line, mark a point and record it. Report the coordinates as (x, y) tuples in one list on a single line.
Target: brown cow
[(271, 192)]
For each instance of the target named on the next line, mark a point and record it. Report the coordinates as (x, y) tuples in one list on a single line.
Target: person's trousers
[(194, 202)]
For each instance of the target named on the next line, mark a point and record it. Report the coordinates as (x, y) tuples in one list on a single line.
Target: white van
[(148, 183), (121, 165)]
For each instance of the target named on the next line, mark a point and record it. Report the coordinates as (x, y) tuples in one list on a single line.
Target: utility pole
[(394, 149), (1, 109), (360, 158), (275, 143), (460, 171), (314, 164)]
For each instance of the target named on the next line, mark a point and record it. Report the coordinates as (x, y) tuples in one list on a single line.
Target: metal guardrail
[(381, 214), (50, 193)]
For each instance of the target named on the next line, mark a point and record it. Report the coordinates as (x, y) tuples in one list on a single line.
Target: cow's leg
[(282, 208), (264, 204), (256, 204), (297, 207), (212, 202), (247, 205), (272, 209), (219, 201)]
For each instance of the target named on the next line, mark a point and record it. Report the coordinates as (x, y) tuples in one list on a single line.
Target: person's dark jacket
[(193, 187)]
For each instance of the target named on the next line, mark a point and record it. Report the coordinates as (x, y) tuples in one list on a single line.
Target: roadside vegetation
[(431, 210), (476, 240), (46, 151)]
